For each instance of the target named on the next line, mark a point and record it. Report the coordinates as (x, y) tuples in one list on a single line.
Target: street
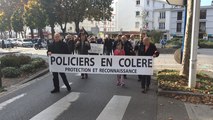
[(96, 98), (86, 101)]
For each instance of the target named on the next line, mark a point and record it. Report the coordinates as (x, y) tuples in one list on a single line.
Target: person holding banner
[(82, 47), (58, 47), (120, 51), (146, 49), (137, 45)]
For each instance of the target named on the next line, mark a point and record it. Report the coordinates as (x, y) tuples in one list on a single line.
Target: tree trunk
[(22, 36), (16, 34), (32, 33), (1, 35), (41, 35), (77, 27), (10, 33), (187, 40), (52, 30), (64, 29)]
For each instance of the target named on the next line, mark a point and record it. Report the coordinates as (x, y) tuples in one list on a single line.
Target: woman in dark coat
[(146, 49), (82, 46)]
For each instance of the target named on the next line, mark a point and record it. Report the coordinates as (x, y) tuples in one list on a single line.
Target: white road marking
[(78, 74), (57, 108), (115, 109), (4, 104), (65, 86)]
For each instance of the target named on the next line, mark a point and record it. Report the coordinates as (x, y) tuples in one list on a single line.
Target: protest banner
[(96, 48), (101, 64)]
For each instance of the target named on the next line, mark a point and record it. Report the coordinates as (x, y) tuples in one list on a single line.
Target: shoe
[(86, 76), (55, 91), (123, 85), (82, 77), (147, 88), (143, 90), (69, 89)]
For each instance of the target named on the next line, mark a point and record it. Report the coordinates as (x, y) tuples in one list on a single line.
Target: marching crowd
[(122, 45)]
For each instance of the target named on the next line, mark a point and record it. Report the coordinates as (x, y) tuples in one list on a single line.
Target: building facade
[(174, 22), (136, 15)]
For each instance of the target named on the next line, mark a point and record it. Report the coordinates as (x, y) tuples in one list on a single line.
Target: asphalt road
[(95, 98)]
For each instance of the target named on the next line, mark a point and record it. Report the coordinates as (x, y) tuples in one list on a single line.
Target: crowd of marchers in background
[(121, 45)]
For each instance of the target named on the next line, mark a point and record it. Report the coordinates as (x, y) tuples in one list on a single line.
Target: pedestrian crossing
[(107, 102), (52, 112), (114, 110)]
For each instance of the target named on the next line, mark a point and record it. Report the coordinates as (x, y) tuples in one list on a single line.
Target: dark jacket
[(58, 48), (108, 44), (150, 52), (83, 47), (128, 48), (115, 44), (71, 45)]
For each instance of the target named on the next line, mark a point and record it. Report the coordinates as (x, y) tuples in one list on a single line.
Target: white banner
[(96, 48), (98, 64)]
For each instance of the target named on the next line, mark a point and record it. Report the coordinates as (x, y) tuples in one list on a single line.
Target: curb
[(166, 92), (34, 76)]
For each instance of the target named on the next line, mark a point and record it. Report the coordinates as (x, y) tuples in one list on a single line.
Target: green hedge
[(38, 62), (27, 68), (205, 44), (14, 60), (177, 42), (13, 65), (10, 72)]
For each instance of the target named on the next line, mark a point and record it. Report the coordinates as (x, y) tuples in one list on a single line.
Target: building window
[(137, 13), (179, 15), (147, 13), (162, 26), (137, 24), (147, 2), (162, 15), (202, 14), (202, 27), (179, 27), (163, 5), (138, 2), (147, 25)]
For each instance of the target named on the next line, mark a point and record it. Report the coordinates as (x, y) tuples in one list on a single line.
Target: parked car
[(14, 41), (7, 44), (25, 43)]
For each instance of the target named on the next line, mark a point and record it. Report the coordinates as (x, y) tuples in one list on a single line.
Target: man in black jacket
[(108, 45), (83, 46), (146, 49), (58, 47)]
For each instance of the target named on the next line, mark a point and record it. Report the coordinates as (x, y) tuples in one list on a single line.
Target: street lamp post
[(194, 44)]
